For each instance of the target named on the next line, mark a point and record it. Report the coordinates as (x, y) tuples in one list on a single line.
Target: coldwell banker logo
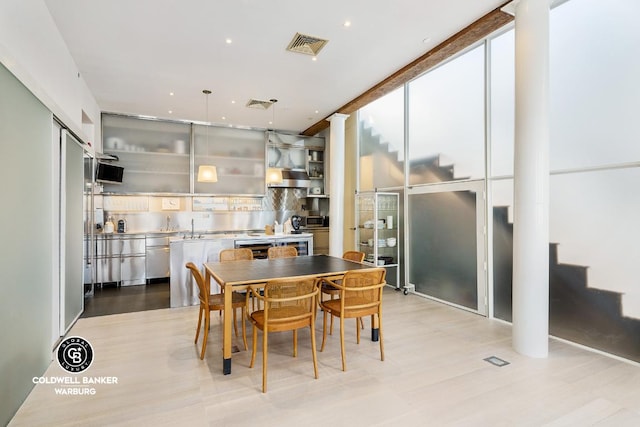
[(75, 354)]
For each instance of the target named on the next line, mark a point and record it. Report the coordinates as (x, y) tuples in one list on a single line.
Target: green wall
[(27, 256)]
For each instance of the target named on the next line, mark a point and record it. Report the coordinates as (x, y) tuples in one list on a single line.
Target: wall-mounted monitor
[(109, 174)]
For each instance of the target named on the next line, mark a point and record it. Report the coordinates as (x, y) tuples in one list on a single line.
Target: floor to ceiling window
[(595, 167), (446, 141), (382, 155)]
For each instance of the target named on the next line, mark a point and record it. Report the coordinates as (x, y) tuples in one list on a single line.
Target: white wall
[(34, 51)]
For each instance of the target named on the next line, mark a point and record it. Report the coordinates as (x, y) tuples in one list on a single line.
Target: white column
[(336, 184), (531, 179)]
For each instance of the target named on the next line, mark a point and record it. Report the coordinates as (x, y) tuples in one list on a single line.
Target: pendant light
[(274, 175), (207, 173)]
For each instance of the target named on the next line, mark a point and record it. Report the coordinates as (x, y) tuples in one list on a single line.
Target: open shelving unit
[(377, 231)]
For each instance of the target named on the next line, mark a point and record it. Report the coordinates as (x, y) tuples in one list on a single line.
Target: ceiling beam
[(478, 30)]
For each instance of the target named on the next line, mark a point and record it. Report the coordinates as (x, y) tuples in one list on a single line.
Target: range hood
[(293, 178)]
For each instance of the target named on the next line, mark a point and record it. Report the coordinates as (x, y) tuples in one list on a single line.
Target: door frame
[(477, 186)]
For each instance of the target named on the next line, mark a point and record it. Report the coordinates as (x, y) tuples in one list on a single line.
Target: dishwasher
[(158, 257)]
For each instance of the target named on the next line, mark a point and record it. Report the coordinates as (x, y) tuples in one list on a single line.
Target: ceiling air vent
[(259, 104), (309, 45)]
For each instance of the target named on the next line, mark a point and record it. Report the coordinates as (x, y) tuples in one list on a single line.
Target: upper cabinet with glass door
[(154, 154), (237, 154)]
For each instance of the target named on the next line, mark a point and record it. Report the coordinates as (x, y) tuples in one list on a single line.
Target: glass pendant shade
[(274, 176), (207, 173)]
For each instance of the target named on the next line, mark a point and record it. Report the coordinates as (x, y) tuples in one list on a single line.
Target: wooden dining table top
[(262, 270)]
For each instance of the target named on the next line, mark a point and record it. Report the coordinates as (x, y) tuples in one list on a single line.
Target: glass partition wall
[(457, 121)]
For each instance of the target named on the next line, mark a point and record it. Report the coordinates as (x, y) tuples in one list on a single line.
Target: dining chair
[(214, 302), (282, 252), (237, 254), (327, 289), (289, 304), (360, 295)]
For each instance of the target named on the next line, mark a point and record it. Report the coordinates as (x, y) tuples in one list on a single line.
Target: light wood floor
[(433, 375)]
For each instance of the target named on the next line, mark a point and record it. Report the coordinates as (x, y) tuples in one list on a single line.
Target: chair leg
[(331, 328), (380, 335), (344, 362), (313, 349), (199, 324), (358, 330), (235, 322), (295, 343), (361, 323), (206, 334), (324, 329), (244, 327), (264, 360), (254, 346)]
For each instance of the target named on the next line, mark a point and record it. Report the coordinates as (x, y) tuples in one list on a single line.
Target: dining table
[(241, 275)]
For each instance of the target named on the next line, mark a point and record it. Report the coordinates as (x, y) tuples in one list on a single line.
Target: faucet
[(192, 228), (168, 222)]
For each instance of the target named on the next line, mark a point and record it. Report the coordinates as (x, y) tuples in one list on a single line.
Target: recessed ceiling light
[(426, 40), (270, 122), (317, 111), (347, 23), (170, 111), (314, 58), (170, 93), (228, 41), (224, 118), (233, 101)]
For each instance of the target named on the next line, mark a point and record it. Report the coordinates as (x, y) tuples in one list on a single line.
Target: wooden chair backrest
[(356, 256), (238, 254), (364, 286), (203, 291), (289, 303), (282, 252)]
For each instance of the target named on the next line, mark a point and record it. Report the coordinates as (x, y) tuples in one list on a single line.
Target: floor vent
[(496, 361), (309, 45)]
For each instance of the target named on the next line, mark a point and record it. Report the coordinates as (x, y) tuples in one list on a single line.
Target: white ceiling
[(133, 53)]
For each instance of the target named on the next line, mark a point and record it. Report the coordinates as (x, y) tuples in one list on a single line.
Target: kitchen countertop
[(238, 236), (185, 235)]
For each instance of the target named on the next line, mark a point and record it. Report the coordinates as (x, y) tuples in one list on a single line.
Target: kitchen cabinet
[(299, 153), (239, 158), (121, 259), (320, 240), (377, 231), (107, 259), (155, 154)]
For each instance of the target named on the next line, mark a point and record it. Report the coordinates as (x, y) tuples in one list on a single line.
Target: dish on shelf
[(391, 242), (386, 259), (368, 224)]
